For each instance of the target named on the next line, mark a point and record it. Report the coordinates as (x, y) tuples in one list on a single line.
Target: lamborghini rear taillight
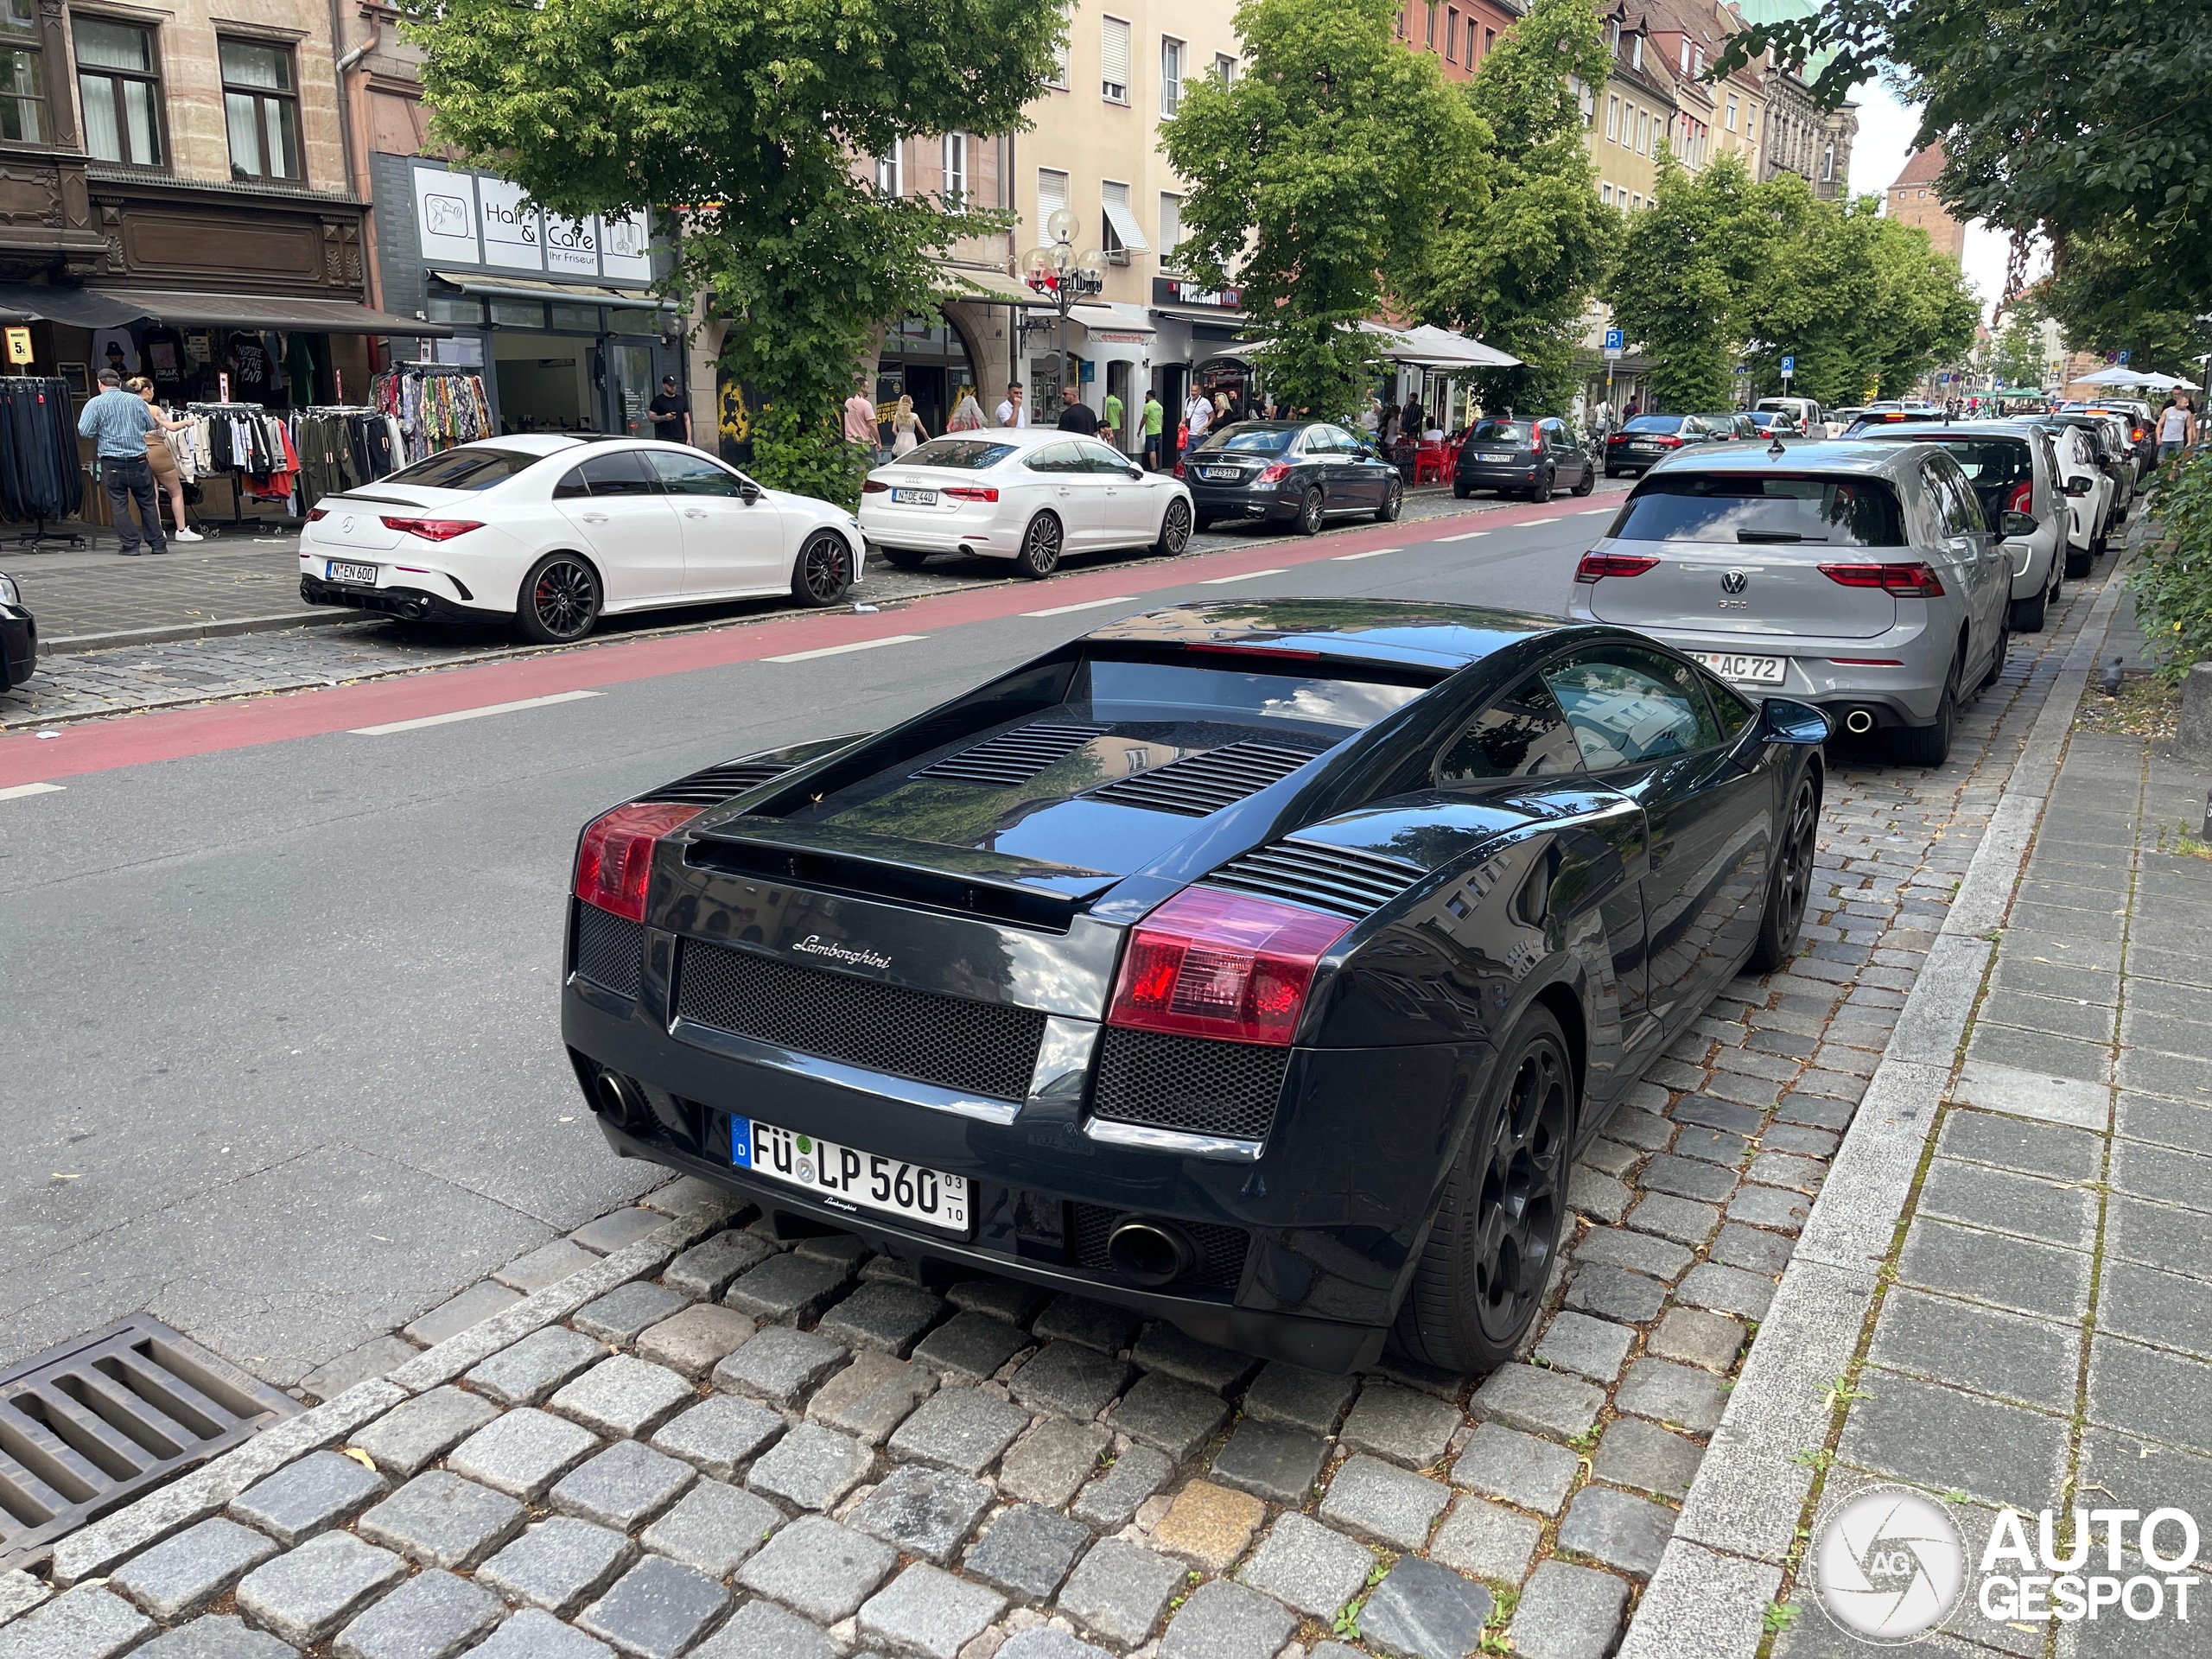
[(1221, 965), (614, 861)]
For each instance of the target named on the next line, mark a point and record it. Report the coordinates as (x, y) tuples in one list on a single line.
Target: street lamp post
[(1060, 272)]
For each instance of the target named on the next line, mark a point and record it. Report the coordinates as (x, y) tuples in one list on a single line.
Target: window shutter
[(1052, 196), (1171, 225), (1115, 60)]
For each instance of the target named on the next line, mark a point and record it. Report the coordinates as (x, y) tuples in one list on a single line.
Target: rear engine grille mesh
[(1190, 1084), (1342, 882), (984, 1048), (1200, 783), (1012, 756), (610, 950), (717, 783), (1221, 1249)]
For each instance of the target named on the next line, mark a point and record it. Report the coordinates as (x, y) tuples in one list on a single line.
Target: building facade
[(1804, 138), (1459, 33), (1911, 200)]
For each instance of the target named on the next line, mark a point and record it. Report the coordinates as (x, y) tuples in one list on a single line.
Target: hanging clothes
[(436, 406), (41, 476)]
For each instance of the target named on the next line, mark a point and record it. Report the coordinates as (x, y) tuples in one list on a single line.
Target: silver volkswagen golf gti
[(1860, 577)]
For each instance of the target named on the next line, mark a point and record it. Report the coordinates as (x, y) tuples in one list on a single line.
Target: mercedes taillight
[(614, 861), (1221, 965), (432, 530)]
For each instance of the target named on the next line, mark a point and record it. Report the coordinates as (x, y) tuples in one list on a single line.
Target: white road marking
[(1345, 558), (839, 651), (1087, 605), (17, 789), (1468, 535), (395, 726), (1215, 581), (1592, 512)]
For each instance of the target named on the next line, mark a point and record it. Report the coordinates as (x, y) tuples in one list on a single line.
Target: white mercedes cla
[(1027, 495), (556, 531)]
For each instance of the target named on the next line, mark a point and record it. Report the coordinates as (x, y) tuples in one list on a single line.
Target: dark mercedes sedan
[(1256, 966), (1299, 472), (18, 636), (1533, 458)]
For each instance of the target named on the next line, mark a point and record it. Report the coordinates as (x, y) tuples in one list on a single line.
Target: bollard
[(2195, 734)]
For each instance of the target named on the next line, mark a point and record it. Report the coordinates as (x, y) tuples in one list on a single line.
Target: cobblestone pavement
[(767, 1446), (2042, 1333), (99, 594)]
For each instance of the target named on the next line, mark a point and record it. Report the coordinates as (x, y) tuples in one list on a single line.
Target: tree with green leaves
[(1319, 183), (2016, 356), (1517, 264), (743, 121)]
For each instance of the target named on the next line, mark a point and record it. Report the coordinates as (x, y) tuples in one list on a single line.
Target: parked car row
[(18, 635)]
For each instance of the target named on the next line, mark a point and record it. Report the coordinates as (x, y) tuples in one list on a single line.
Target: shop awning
[(1112, 317), (113, 308), (1426, 347), (526, 288), (959, 282), (1198, 313)]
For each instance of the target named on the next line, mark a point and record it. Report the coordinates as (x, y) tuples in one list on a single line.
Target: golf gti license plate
[(1750, 671), (364, 574), (845, 1178), (915, 498)]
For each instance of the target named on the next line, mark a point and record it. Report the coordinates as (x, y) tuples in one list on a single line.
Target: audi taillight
[(1595, 567), (316, 515), (1274, 474), (1668, 440), (1900, 580), (973, 493), (2021, 498), (874, 486), (614, 861), (1221, 965), (433, 529)]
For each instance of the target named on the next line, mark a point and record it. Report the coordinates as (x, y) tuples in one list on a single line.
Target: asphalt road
[(279, 998)]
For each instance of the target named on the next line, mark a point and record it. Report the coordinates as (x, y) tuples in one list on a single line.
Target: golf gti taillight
[(1898, 580), (614, 861), (1595, 567), (433, 529), (1221, 965)]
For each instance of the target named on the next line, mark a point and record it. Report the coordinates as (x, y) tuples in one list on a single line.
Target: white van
[(1806, 411)]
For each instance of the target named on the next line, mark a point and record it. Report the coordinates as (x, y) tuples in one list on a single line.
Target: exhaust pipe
[(1151, 1252), (616, 1097), (1858, 722)]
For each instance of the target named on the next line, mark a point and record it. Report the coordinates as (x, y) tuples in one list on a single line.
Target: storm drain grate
[(95, 1421)]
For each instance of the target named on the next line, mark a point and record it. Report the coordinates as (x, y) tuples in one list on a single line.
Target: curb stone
[(1738, 1520)]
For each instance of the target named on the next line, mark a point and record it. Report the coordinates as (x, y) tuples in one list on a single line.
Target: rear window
[(1248, 440), (1502, 432), (1761, 508), (958, 455), (465, 469), (1655, 424), (1121, 690), (1990, 462)]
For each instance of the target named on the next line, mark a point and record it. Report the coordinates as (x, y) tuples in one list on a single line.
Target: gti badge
[(1734, 582)]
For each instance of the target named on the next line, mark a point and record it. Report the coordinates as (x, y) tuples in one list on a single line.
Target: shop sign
[(512, 236), (572, 248), (445, 216), (1174, 291), (622, 248)]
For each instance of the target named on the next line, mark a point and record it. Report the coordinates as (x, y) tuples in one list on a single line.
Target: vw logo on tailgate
[(1734, 582)]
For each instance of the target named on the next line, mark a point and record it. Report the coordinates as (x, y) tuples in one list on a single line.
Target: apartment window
[(1638, 200), (1613, 120), (261, 106), (1171, 226), (1685, 54), (1061, 49), (1490, 39), (1120, 236), (1635, 53), (1429, 40), (1171, 76), (1605, 195), (118, 85), (1827, 165), (1697, 61), (956, 167), (1731, 115), (1114, 61), (1224, 70), (891, 170), (1451, 34), (23, 78), (1052, 196)]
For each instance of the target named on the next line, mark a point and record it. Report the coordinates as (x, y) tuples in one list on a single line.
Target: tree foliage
[(2173, 582), (2112, 290), (1517, 264), (1319, 183), (2017, 357), (743, 119)]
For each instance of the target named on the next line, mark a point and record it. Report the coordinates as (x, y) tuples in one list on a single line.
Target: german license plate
[(1751, 670), (1645, 448), (915, 498), (365, 574), (1489, 455), (1229, 472), (845, 1178)]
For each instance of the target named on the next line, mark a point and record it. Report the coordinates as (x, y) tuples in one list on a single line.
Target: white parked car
[(1027, 495), (556, 531)]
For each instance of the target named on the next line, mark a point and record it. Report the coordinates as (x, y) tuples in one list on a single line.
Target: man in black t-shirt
[(1076, 415), (672, 415)]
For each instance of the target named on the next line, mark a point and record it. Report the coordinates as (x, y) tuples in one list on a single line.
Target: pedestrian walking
[(1109, 425), (158, 456), (1198, 419), (1076, 415), (967, 414), (2177, 428), (860, 421), (907, 431), (1155, 418), (1011, 412), (672, 415), (120, 420)]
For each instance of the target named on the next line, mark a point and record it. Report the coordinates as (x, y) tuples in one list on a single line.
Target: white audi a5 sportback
[(556, 531), (1030, 495)]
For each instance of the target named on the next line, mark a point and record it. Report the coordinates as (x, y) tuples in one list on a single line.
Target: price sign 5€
[(19, 346)]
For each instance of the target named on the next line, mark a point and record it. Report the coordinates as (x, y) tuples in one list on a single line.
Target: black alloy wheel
[(823, 573), (1481, 1278), (560, 599), (1792, 883), (1174, 528), (1309, 511), (1394, 502), (1040, 547)]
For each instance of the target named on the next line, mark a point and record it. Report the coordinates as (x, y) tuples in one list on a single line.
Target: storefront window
[(449, 308), (261, 106), (121, 92), (22, 84), (633, 322), (583, 319), (519, 313)]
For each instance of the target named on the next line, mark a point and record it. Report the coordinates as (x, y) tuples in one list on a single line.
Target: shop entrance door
[(1174, 392), (630, 387), (1117, 386)]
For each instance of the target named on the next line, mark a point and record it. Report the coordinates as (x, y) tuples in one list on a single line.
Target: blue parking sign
[(1790, 366), (2123, 359), (1613, 340)]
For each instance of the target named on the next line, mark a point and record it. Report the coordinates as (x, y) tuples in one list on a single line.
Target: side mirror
[(749, 491), (1136, 472), (1785, 720), (2077, 486), (2018, 525)]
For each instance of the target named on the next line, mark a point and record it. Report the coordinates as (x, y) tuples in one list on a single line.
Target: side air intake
[(1201, 783), (1334, 879), (717, 783), (1012, 756)]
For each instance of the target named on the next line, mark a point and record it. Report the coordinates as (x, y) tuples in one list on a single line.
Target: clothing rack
[(73, 475), (342, 446), (237, 519)]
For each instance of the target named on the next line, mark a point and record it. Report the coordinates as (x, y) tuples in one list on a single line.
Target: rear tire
[(1461, 491), (1541, 494), (1040, 547), (1997, 658), (2028, 613), (823, 572), (2080, 564), (904, 558), (559, 601), (1393, 503), (1589, 481), (1480, 1281), (1929, 745), (1200, 523), (1310, 511), (1612, 472), (1792, 881), (1174, 529)]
